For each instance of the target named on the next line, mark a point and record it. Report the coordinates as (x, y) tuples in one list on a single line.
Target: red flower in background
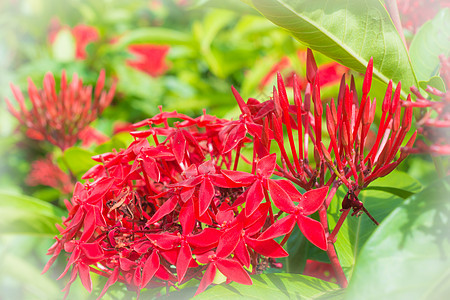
[(83, 35), (45, 172), (61, 116), (434, 124), (330, 73), (414, 13), (149, 59)]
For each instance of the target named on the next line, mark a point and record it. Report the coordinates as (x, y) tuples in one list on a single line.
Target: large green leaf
[(432, 40), (348, 31), (272, 286), (356, 230), (397, 183), (26, 215), (408, 256)]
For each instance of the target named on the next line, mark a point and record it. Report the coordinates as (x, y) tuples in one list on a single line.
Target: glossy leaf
[(397, 183), (26, 215), (348, 31), (78, 160), (356, 230), (432, 40), (272, 286), (408, 254)]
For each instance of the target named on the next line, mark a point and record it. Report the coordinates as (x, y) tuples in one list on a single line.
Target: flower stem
[(332, 236), (331, 252)]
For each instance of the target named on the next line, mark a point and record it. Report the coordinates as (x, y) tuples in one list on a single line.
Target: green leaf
[(356, 230), (63, 47), (26, 215), (348, 31), (435, 82), (432, 40), (272, 286), (78, 160), (408, 254), (154, 35), (397, 183)]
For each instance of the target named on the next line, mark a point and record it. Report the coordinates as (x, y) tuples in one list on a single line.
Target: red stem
[(332, 236), (331, 252)]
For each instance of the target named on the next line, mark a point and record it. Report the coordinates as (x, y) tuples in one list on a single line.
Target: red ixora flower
[(149, 59), (45, 172), (174, 207), (434, 124), (83, 35), (416, 12), (60, 116)]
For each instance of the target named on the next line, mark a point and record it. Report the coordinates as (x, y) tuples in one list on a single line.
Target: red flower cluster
[(150, 59), (434, 124), (60, 117), (416, 12), (173, 206)]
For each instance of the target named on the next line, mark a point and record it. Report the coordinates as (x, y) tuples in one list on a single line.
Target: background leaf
[(26, 215), (348, 31), (409, 253), (272, 286), (397, 183), (78, 160), (432, 40)]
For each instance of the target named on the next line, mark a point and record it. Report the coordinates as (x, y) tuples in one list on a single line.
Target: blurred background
[(179, 54)]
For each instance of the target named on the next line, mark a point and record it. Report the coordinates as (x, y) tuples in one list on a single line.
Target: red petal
[(92, 250), (268, 248), (164, 210), (164, 241), (239, 177), (236, 135), (151, 169), (229, 240), (183, 260), (279, 228), (150, 267), (255, 196), (102, 186), (207, 168), (313, 231), (207, 237), (311, 66), (266, 165), (234, 271), (207, 278), (289, 188), (206, 194), (368, 77), (179, 146), (83, 271), (280, 197), (242, 254), (111, 280), (313, 199), (187, 219)]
